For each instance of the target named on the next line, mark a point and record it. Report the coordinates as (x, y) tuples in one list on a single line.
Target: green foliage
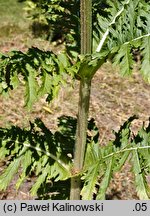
[(106, 160), (126, 28), (145, 67), (38, 150), (115, 37), (118, 29), (61, 20), (58, 18), (40, 72)]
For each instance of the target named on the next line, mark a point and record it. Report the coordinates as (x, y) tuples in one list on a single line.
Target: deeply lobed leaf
[(41, 72)]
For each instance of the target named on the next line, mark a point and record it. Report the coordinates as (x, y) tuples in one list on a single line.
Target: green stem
[(84, 98), (86, 26), (81, 134)]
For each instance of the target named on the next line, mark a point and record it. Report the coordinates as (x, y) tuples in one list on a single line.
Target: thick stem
[(84, 98), (81, 134), (86, 26)]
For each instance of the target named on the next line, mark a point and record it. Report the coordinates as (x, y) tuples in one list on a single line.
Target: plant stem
[(81, 135), (86, 26), (84, 98)]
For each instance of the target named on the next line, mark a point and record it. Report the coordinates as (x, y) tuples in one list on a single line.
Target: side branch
[(124, 150)]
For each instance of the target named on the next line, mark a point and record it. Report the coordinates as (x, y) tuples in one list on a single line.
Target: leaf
[(31, 86), (122, 137), (123, 29), (91, 179), (145, 67), (60, 172), (9, 173), (64, 60), (42, 72), (26, 162), (123, 158), (3, 150), (46, 87), (106, 180), (40, 180), (33, 148), (124, 59), (14, 81), (143, 140), (93, 154), (140, 180)]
